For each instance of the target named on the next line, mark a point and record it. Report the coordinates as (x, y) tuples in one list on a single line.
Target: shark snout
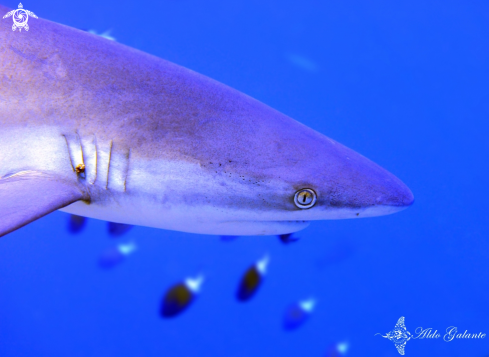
[(400, 196), (350, 185), (372, 189), (391, 197)]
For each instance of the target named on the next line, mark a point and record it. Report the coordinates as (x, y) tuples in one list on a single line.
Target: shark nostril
[(305, 198)]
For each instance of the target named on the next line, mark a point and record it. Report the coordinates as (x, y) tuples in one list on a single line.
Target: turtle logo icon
[(399, 335), (20, 17)]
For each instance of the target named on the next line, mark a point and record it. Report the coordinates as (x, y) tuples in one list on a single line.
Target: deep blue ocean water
[(403, 83)]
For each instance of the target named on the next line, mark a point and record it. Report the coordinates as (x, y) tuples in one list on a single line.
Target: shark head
[(238, 167), (273, 175), (101, 130)]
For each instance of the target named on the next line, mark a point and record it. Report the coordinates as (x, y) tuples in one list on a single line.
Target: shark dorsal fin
[(28, 195)]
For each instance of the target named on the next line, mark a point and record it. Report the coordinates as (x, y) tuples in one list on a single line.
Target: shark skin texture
[(109, 132)]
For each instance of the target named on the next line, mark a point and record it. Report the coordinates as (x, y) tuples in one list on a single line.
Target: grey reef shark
[(98, 129)]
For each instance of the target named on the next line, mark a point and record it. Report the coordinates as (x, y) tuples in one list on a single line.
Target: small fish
[(297, 313), (252, 279), (179, 297), (288, 238), (115, 255), (118, 229), (338, 349), (76, 223)]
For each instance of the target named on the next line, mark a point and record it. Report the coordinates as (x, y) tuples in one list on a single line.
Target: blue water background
[(404, 83)]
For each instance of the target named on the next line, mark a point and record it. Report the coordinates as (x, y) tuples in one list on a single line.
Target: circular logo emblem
[(20, 17)]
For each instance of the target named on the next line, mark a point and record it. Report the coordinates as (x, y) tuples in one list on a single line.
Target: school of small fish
[(181, 295)]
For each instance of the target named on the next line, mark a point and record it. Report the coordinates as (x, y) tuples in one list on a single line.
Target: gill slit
[(108, 165), (69, 152), (81, 148), (96, 159)]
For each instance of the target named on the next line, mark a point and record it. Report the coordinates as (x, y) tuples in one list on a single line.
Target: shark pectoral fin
[(27, 196)]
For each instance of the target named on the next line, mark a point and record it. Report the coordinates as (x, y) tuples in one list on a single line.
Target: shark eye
[(305, 198)]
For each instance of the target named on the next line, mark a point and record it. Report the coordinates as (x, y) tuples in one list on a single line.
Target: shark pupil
[(305, 198)]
